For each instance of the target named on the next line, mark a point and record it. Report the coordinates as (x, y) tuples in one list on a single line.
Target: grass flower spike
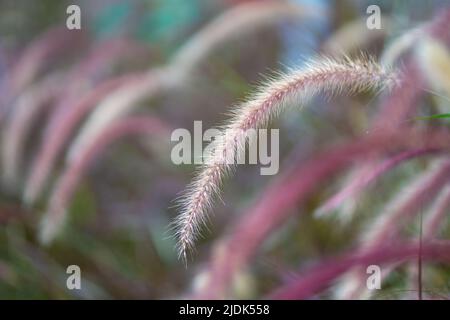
[(323, 75)]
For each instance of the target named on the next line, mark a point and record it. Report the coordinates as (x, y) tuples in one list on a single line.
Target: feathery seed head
[(322, 75)]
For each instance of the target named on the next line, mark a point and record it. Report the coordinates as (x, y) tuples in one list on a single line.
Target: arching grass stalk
[(322, 75)]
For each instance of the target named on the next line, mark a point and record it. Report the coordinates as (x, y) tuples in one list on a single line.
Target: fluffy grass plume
[(322, 75)]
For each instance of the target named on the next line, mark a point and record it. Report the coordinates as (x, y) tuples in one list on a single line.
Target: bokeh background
[(118, 219)]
